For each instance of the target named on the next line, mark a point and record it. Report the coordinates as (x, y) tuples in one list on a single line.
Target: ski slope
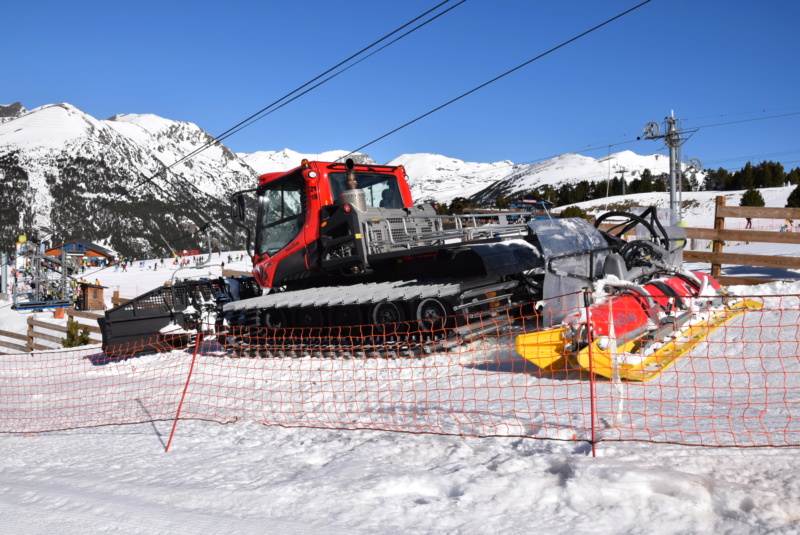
[(248, 478)]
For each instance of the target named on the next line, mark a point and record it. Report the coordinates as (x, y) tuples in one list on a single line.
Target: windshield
[(381, 190), (280, 213)]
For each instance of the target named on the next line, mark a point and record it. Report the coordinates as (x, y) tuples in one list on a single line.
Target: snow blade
[(546, 349), (644, 358)]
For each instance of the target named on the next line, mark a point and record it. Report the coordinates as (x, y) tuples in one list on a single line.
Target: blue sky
[(214, 64)]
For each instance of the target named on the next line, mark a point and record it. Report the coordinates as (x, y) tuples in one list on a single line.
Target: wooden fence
[(86, 320), (116, 300), (718, 235)]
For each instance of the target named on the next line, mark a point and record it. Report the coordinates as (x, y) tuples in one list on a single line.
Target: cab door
[(279, 239)]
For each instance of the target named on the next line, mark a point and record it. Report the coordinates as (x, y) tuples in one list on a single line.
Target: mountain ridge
[(105, 179)]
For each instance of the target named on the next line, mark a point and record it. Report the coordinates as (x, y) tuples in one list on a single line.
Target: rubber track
[(291, 344), (356, 294)]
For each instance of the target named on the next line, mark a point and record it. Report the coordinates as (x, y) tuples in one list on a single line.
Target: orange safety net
[(739, 386)]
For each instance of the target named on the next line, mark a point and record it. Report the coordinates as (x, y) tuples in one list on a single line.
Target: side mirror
[(239, 207)]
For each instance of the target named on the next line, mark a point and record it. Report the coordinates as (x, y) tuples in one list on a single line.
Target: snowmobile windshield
[(381, 190), (281, 213)]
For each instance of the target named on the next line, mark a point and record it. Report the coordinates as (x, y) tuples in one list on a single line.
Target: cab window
[(381, 190), (281, 213)]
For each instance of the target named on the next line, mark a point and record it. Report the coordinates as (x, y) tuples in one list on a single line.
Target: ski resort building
[(83, 249)]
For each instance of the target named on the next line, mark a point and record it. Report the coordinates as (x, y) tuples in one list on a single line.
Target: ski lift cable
[(239, 126), (275, 106), (496, 78), (264, 112), (272, 107), (748, 120), (253, 116)]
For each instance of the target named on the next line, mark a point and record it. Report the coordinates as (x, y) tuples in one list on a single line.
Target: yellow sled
[(632, 365), (546, 349)]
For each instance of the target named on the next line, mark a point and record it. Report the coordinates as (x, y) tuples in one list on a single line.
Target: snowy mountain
[(11, 111), (439, 178), (434, 177), (104, 180), (571, 169), (430, 176), (267, 161)]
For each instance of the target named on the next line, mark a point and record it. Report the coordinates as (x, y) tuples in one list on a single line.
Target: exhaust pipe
[(351, 174), (352, 195)]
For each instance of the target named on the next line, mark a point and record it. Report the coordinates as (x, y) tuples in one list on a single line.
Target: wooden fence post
[(719, 224), (31, 335)]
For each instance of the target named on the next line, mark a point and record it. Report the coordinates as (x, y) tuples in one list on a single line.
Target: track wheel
[(386, 312), (345, 316), (308, 317), (431, 314), (274, 318)]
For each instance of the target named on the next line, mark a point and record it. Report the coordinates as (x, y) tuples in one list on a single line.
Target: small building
[(530, 204), (91, 296), (83, 249)]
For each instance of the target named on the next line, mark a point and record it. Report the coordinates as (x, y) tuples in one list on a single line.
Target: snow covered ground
[(248, 478)]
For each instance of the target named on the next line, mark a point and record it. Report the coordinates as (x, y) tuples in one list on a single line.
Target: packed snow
[(251, 478)]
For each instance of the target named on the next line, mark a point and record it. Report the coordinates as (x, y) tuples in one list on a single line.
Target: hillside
[(100, 179), (698, 206)]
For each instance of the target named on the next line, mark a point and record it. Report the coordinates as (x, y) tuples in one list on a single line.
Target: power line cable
[(264, 113), (738, 113), (748, 120), (496, 78), (252, 118)]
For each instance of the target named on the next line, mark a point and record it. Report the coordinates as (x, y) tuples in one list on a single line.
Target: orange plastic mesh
[(738, 387)]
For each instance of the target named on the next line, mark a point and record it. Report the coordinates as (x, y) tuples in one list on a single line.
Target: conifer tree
[(716, 180), (794, 198), (75, 338), (752, 197), (573, 211), (646, 185)]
